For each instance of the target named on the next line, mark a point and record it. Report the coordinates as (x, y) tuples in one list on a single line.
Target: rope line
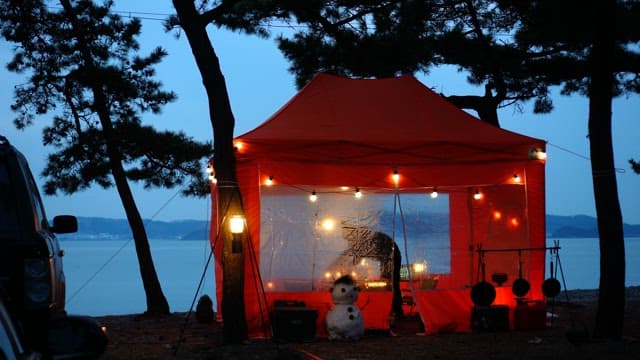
[(118, 251)]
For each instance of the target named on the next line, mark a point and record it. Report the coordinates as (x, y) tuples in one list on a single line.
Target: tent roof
[(391, 122)]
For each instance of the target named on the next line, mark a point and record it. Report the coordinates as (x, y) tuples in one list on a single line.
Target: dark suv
[(30, 256)]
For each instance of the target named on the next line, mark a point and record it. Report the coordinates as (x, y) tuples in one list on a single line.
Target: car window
[(40, 217), (8, 209)]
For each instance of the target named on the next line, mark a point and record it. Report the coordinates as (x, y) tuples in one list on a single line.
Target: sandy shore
[(567, 336)]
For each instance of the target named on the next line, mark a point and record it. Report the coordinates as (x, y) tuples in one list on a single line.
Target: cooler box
[(292, 321)]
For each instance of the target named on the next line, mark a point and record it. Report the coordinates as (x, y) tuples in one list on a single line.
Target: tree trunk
[(229, 199), (156, 301), (486, 107), (611, 298)]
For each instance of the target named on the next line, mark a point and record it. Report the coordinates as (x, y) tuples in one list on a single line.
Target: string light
[(434, 193), (269, 181), (358, 194), (477, 195), (313, 197), (212, 176), (537, 154), (395, 176), (516, 178)]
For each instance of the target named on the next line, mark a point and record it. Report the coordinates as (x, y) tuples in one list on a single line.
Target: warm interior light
[(395, 177), (419, 267), (238, 145), (313, 197), (477, 195), (236, 224), (375, 284), (516, 178), (269, 181), (328, 224), (327, 275), (344, 188), (497, 215), (515, 222), (358, 194), (270, 285)]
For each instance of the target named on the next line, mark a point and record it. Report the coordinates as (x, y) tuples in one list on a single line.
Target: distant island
[(577, 226)]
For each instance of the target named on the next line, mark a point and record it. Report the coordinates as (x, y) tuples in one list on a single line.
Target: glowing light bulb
[(313, 197), (516, 178), (395, 177), (236, 224), (537, 154), (270, 285), (358, 194), (434, 193), (477, 195), (238, 145), (213, 179), (269, 181), (328, 224), (497, 215)]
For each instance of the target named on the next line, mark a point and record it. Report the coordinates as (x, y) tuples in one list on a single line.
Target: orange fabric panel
[(447, 311), (535, 178), (462, 248)]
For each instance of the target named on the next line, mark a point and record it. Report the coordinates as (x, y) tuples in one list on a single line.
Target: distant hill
[(577, 226), (115, 229)]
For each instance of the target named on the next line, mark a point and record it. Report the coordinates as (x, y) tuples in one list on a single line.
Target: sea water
[(103, 277)]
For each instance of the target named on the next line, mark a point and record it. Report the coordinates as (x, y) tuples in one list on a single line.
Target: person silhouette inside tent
[(365, 243)]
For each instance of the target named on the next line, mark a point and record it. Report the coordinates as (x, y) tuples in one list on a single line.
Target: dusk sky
[(259, 84)]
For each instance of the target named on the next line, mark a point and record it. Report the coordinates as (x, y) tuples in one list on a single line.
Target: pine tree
[(82, 67)]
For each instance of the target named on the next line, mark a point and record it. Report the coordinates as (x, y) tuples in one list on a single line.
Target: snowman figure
[(344, 321)]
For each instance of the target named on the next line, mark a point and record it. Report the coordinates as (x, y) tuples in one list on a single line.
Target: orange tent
[(339, 136)]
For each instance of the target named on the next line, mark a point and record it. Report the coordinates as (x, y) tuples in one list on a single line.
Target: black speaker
[(490, 318), (294, 323)]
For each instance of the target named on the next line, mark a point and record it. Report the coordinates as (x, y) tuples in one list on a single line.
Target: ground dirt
[(567, 336)]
